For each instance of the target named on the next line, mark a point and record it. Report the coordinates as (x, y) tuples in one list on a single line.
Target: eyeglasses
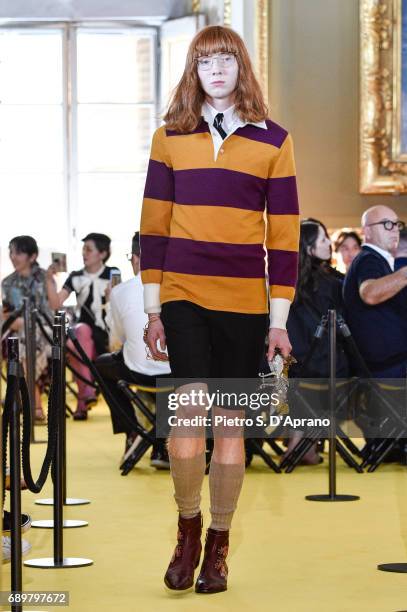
[(225, 60), (388, 225)]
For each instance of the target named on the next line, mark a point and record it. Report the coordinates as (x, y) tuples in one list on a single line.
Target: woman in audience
[(319, 289), (27, 280), (90, 285), (348, 245)]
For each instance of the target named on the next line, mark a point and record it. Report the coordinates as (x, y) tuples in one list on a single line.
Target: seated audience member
[(126, 321), (348, 245), (401, 253), (90, 285), (319, 289), (27, 280), (374, 298)]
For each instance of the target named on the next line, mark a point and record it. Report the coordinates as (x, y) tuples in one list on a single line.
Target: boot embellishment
[(220, 563)]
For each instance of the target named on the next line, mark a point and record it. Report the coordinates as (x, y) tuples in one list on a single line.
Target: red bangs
[(216, 39)]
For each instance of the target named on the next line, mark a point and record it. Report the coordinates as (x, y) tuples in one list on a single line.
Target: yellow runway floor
[(287, 554)]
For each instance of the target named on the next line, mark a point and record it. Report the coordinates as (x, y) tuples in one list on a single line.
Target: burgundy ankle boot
[(214, 571), (180, 572)]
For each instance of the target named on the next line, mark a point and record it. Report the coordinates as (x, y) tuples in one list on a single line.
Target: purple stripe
[(201, 128), (274, 135), (283, 267), (220, 187), (215, 258), (282, 196), (152, 252), (159, 181)]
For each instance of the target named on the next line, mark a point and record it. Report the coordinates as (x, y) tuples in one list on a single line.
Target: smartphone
[(115, 278), (59, 261)]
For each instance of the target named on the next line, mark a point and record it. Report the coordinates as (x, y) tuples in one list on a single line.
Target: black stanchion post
[(59, 465), (61, 313), (68, 501), (60, 319), (29, 314), (58, 460), (58, 560), (332, 402), (332, 496), (397, 568), (29, 361), (15, 476)]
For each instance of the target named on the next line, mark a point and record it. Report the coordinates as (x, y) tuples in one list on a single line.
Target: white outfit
[(126, 319)]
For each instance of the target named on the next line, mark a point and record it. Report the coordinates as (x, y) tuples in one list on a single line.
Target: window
[(77, 113)]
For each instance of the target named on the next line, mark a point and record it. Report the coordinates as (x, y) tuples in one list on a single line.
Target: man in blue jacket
[(375, 298), (376, 305)]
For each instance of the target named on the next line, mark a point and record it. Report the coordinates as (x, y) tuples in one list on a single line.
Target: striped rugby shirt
[(204, 220)]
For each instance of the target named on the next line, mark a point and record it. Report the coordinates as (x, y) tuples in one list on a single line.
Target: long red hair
[(184, 110)]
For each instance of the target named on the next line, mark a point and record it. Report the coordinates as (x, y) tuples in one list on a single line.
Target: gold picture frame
[(383, 165)]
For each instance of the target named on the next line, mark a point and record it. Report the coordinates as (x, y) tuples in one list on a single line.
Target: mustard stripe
[(225, 224), (283, 232), (216, 293), (282, 291), (155, 217), (239, 154), (151, 276)]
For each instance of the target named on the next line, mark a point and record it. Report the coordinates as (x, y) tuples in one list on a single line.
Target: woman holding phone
[(90, 285)]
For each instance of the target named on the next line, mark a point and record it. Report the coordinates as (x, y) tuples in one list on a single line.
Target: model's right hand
[(156, 332)]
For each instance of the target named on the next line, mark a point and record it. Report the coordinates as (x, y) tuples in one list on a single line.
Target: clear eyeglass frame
[(225, 60)]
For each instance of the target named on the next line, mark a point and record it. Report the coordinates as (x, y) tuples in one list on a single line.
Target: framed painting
[(383, 96)]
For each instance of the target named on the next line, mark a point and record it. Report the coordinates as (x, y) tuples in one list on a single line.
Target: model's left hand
[(278, 338)]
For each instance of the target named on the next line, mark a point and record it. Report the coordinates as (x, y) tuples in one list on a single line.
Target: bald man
[(376, 305)]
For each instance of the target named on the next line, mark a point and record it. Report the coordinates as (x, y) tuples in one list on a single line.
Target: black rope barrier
[(67, 501), (72, 353), (29, 314), (11, 429), (10, 320), (58, 377)]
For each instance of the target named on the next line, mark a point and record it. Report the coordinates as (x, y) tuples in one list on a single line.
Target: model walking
[(216, 166)]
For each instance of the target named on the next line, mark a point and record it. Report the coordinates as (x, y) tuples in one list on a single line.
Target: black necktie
[(217, 124)]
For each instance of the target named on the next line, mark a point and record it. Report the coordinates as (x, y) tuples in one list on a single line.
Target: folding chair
[(344, 444), (146, 435)]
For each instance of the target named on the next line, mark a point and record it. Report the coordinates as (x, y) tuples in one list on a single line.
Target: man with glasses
[(375, 302)]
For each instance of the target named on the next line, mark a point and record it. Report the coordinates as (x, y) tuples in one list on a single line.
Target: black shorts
[(205, 343)]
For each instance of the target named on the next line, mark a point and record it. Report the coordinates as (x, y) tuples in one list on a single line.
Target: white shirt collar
[(93, 275), (231, 120), (388, 256)]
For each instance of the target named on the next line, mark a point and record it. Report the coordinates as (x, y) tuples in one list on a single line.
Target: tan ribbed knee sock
[(225, 483), (188, 474)]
